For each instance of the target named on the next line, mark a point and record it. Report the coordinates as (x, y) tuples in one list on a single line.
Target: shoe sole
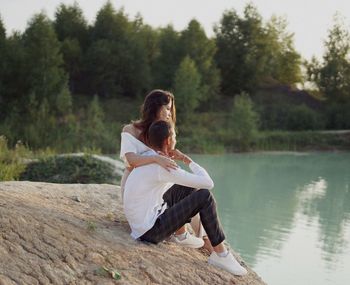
[(191, 246)]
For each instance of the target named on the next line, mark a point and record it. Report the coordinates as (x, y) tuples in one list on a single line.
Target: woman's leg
[(197, 227), (199, 231), (123, 181), (176, 193)]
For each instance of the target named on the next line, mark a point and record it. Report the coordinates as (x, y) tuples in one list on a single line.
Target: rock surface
[(64, 234)]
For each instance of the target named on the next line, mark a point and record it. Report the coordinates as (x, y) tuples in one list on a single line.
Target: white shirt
[(144, 189)]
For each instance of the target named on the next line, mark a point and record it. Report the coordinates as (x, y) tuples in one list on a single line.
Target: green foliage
[(126, 56), (332, 76), (283, 63), (91, 226), (69, 169), (13, 77), (168, 59), (283, 108), (64, 102), (95, 114), (45, 75), (201, 50), (187, 88), (2, 64), (117, 61), (249, 52), (2, 32), (73, 33), (110, 23), (94, 119), (244, 120), (303, 118), (38, 132), (70, 23), (107, 55), (94, 133), (50, 73), (301, 141), (338, 116), (11, 164)]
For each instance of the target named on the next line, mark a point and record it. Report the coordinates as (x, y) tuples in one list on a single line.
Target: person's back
[(143, 197)]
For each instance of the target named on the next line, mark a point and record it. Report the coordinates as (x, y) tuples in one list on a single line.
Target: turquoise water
[(286, 214)]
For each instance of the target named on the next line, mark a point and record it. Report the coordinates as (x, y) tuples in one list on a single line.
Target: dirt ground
[(65, 234)]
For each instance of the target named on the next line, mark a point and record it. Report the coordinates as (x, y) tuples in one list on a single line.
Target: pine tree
[(3, 61), (72, 31), (201, 50), (332, 76), (187, 88), (169, 58), (45, 75)]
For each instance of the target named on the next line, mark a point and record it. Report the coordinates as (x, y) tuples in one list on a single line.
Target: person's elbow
[(210, 184)]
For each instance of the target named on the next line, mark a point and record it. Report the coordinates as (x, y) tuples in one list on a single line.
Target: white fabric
[(144, 189), (129, 143)]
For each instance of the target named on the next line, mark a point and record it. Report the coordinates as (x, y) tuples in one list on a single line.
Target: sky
[(309, 20)]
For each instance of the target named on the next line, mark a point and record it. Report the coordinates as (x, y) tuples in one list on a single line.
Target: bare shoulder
[(131, 129)]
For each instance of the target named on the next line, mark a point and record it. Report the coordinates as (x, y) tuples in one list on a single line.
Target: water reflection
[(281, 209), (329, 204)]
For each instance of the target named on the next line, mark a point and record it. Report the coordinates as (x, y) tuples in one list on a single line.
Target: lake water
[(286, 214)]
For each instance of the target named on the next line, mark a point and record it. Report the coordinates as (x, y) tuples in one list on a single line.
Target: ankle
[(181, 236), (223, 253)]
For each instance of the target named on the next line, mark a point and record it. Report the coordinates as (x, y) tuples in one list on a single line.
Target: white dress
[(129, 143)]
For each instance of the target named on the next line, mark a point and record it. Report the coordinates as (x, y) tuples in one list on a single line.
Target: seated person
[(154, 211)]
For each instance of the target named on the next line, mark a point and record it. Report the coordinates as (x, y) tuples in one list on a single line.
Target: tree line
[(52, 61)]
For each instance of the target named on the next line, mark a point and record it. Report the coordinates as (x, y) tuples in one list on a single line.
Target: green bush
[(198, 134), (244, 121), (301, 141), (303, 118), (70, 169), (338, 116), (11, 164)]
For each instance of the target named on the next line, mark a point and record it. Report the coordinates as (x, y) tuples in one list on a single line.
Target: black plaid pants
[(184, 203)]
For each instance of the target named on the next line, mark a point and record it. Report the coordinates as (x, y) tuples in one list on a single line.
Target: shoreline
[(272, 152)]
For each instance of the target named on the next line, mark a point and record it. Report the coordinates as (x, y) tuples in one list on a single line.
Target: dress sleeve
[(126, 145)]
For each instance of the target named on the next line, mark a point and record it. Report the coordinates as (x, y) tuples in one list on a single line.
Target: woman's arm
[(136, 160), (178, 155)]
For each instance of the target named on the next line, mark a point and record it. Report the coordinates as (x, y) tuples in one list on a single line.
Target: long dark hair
[(150, 109)]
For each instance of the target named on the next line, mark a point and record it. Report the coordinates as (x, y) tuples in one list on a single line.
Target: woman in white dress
[(158, 105)]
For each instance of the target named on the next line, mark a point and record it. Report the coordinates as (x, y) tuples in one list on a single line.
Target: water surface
[(287, 214)]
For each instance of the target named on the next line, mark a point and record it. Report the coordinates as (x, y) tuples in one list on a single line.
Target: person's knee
[(206, 195)]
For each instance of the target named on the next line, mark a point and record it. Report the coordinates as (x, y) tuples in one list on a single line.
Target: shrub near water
[(69, 169), (11, 165)]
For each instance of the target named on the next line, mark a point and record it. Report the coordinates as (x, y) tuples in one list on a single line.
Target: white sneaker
[(228, 263), (189, 241)]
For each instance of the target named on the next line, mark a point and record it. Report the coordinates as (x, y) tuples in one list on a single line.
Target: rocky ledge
[(67, 233)]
